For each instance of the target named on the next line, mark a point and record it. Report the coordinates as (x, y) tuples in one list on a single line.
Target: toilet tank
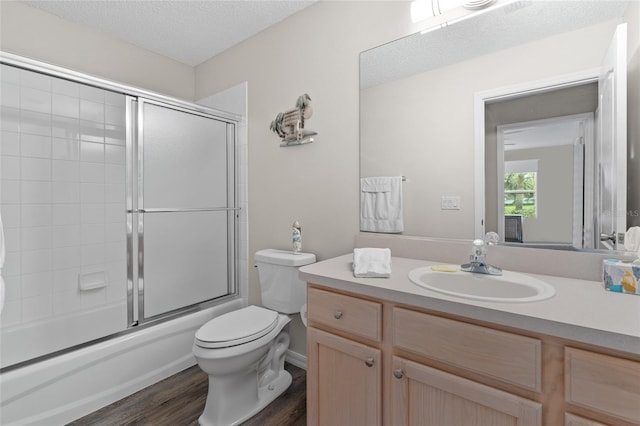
[(281, 288)]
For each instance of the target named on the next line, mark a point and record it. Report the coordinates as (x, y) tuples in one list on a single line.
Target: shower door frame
[(136, 210)]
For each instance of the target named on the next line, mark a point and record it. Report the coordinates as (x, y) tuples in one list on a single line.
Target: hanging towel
[(372, 263), (381, 204)]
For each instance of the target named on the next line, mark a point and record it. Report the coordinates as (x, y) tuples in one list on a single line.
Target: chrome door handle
[(608, 237)]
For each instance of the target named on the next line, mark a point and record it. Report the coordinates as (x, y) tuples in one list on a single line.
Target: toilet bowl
[(243, 351)]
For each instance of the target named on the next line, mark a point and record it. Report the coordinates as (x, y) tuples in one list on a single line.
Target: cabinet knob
[(398, 374), (337, 314), (369, 362)]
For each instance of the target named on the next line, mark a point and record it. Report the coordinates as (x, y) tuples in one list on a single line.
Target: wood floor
[(179, 400)]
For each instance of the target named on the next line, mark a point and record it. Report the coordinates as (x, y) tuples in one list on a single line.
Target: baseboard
[(296, 359)]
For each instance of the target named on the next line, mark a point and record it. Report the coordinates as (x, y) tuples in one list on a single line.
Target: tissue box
[(621, 277)]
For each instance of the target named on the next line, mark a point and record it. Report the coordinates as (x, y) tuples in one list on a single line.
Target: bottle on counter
[(297, 237)]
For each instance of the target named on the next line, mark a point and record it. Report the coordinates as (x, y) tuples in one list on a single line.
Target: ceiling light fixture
[(441, 13)]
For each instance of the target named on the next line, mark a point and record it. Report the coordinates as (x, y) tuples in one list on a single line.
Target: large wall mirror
[(507, 121)]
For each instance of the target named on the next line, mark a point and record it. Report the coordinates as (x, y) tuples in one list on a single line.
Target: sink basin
[(511, 287)]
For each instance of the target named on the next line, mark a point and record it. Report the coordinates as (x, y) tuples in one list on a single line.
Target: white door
[(611, 145)]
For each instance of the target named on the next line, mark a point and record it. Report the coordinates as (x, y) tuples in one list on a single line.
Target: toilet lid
[(237, 327)]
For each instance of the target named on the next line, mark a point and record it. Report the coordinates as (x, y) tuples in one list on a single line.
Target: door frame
[(502, 94)]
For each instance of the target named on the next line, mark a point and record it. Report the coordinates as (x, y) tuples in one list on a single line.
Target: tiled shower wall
[(62, 174)]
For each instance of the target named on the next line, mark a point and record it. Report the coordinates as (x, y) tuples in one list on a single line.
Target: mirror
[(418, 119)]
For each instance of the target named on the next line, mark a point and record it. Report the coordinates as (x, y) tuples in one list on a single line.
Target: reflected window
[(520, 188)]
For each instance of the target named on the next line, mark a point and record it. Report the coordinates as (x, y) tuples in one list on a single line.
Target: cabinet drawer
[(603, 383), (504, 356), (573, 420), (355, 316)]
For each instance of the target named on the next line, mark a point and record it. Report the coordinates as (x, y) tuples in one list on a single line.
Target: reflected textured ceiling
[(189, 31), (509, 23)]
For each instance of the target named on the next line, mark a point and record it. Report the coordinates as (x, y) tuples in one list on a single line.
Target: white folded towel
[(372, 262), (381, 204)]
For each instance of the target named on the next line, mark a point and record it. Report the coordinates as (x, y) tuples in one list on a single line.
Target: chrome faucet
[(478, 252)]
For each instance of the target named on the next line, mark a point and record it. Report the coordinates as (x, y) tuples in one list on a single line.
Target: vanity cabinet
[(374, 362)]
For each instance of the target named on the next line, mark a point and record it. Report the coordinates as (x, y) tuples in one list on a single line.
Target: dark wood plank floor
[(179, 400)]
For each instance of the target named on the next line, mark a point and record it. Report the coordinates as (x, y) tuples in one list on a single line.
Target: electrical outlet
[(450, 202)]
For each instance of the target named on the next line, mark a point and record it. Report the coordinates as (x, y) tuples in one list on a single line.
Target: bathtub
[(66, 387)]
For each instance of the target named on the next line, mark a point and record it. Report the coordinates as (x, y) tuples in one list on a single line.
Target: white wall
[(39, 35)]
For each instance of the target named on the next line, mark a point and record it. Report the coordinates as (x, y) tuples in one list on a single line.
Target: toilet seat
[(237, 327)]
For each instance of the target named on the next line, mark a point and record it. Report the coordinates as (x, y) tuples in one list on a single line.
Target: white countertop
[(580, 310)]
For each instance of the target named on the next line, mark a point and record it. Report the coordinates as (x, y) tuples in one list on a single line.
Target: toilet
[(243, 351)]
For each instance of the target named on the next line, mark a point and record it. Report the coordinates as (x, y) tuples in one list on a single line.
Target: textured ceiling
[(189, 31)]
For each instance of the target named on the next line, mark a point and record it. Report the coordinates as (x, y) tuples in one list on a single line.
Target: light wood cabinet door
[(426, 396), (343, 381)]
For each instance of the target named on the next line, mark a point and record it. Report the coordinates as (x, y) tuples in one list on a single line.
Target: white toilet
[(243, 351)]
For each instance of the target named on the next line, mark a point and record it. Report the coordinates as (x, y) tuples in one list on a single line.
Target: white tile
[(66, 258), (65, 236), (37, 308), (65, 106), (117, 290), (33, 261), (92, 255), (115, 252), (115, 173), (65, 149), (35, 100), (13, 288), (93, 298), (66, 302), (116, 271), (92, 214), (115, 115), (92, 193), (66, 192), (115, 135), (66, 214), (115, 193), (92, 132), (114, 154), (11, 216), (9, 119), (36, 168), (115, 233), (10, 191), (91, 111), (36, 238), (35, 123), (92, 234), (36, 215), (115, 213), (12, 264), (35, 80), (65, 171), (92, 172), (11, 313), (35, 146), (65, 280), (9, 74), (9, 167), (10, 95), (35, 192), (92, 93), (92, 152), (10, 143), (65, 87), (37, 284), (12, 239), (65, 127)]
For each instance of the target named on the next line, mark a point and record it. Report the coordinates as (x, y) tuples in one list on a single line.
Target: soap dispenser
[(297, 237)]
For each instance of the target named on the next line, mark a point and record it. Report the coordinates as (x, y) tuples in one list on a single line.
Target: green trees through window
[(520, 194)]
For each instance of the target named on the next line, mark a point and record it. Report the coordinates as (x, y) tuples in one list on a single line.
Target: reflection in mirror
[(417, 112)]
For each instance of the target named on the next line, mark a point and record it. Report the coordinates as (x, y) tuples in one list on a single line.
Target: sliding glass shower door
[(185, 208)]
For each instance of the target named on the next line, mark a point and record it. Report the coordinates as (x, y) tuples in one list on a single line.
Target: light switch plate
[(450, 202)]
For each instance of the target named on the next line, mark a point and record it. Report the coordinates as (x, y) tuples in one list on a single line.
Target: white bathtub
[(61, 389)]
